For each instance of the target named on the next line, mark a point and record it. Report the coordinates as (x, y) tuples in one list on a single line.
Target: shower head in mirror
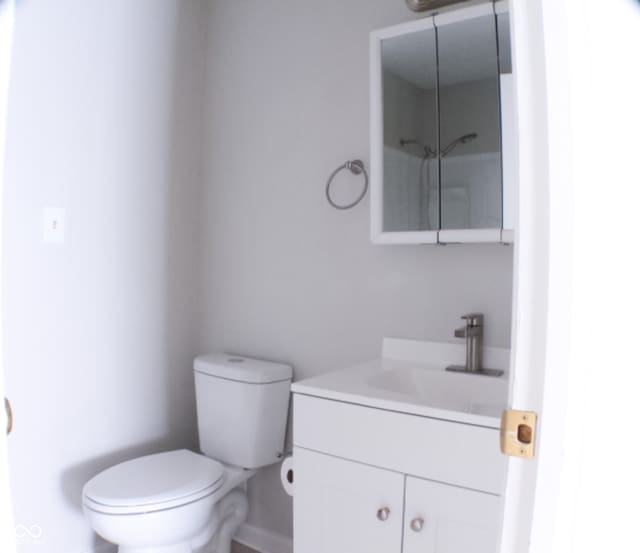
[(464, 139)]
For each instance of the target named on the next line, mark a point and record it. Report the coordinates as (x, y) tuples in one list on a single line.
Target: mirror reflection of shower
[(429, 153), (464, 139)]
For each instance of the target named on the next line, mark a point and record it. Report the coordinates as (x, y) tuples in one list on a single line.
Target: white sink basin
[(452, 391), (417, 383)]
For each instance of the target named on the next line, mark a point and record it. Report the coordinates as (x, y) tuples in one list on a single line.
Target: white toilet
[(179, 501)]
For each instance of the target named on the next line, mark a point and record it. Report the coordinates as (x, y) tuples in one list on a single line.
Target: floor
[(239, 548)]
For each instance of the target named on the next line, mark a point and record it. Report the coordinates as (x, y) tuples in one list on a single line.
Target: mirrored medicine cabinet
[(442, 129)]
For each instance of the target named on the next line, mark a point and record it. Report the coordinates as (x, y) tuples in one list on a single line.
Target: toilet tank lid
[(242, 369)]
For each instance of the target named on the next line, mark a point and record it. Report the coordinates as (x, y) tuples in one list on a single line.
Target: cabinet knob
[(416, 524), (383, 513)]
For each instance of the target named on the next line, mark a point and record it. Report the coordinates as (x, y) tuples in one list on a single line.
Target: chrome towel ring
[(356, 167)]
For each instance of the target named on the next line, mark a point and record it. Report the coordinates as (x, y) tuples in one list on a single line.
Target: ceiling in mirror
[(411, 57), (408, 56), (467, 51)]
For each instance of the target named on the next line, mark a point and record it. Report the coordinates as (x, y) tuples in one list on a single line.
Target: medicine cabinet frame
[(507, 149)]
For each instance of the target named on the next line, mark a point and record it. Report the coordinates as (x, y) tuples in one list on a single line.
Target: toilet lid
[(154, 482)]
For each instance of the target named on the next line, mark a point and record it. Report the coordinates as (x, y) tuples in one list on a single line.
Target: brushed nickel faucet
[(473, 332)]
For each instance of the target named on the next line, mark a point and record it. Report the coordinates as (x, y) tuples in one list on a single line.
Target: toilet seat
[(153, 483)]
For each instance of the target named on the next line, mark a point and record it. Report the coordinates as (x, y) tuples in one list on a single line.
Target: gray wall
[(285, 276), (105, 121)]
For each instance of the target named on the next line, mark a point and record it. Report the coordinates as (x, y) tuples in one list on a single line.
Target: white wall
[(104, 121), (285, 276)]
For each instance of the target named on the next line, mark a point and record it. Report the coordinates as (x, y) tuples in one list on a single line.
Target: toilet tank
[(242, 406)]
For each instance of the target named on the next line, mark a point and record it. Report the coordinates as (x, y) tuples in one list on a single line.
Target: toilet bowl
[(180, 501), (171, 502)]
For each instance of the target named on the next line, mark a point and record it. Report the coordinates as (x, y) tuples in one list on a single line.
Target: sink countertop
[(410, 378)]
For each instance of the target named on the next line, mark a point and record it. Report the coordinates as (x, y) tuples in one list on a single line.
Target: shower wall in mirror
[(436, 128), (410, 111), (469, 124)]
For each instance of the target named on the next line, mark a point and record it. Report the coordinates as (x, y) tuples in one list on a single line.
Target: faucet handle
[(474, 319)]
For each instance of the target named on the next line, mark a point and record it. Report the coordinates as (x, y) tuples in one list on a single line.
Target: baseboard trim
[(263, 540)]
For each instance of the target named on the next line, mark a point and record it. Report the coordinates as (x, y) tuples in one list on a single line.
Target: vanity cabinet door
[(345, 507), (446, 519)]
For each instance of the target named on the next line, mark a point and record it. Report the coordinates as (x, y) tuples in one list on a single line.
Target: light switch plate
[(53, 225)]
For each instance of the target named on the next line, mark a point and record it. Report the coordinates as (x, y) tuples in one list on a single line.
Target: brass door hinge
[(518, 433)]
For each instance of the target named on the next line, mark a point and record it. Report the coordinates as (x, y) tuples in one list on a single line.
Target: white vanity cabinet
[(441, 518), (342, 506), (345, 507), (371, 480)]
